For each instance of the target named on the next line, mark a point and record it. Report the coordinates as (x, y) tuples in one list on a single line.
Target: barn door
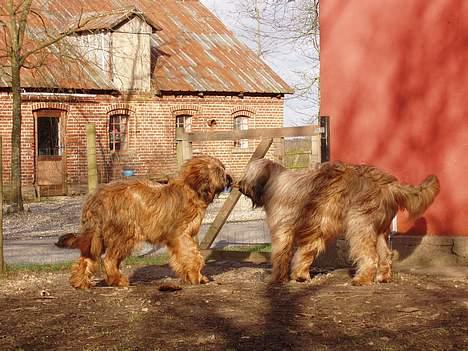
[(50, 155)]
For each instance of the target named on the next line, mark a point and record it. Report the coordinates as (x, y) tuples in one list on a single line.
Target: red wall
[(394, 81)]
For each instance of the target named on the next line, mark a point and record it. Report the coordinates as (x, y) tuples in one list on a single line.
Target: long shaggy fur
[(120, 214), (305, 209)]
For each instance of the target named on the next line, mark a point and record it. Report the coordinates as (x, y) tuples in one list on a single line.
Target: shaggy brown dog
[(305, 209), (122, 213)]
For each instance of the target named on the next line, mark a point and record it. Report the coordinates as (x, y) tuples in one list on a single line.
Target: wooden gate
[(184, 152)]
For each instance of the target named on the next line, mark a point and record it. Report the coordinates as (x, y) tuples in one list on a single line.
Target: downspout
[(393, 231)]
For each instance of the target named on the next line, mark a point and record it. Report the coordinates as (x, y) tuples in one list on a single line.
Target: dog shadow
[(403, 246), (163, 273), (151, 274)]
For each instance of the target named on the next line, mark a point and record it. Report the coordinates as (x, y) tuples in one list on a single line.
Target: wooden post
[(184, 147), (91, 155), (231, 201), (2, 261), (325, 139)]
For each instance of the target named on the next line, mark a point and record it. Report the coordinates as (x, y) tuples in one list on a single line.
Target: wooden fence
[(184, 152)]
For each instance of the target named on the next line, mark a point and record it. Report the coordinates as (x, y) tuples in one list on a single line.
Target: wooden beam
[(231, 201), (91, 157), (257, 133)]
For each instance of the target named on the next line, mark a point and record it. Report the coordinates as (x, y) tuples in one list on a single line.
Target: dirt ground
[(238, 310)]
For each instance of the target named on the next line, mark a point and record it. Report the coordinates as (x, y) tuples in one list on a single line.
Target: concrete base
[(409, 252)]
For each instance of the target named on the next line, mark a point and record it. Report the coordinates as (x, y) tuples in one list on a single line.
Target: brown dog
[(305, 209), (122, 213)]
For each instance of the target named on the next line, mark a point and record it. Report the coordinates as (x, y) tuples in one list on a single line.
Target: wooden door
[(50, 152)]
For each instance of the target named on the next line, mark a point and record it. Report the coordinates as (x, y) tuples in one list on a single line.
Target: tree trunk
[(16, 194)]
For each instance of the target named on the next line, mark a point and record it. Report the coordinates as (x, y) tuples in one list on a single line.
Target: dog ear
[(206, 176), (205, 191), (258, 189)]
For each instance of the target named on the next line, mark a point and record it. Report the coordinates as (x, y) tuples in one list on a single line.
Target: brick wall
[(151, 135)]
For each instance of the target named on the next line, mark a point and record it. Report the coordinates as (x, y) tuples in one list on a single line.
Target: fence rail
[(184, 152), (257, 133)]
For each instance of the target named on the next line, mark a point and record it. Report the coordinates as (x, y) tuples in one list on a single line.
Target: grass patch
[(130, 261), (249, 248), (38, 267), (65, 266), (147, 260)]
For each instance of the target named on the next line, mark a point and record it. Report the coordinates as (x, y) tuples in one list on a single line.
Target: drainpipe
[(393, 231)]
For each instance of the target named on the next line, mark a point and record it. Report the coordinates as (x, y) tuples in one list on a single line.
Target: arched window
[(241, 123), (184, 121), (118, 132)]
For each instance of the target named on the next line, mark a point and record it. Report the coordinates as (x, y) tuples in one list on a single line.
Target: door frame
[(62, 116)]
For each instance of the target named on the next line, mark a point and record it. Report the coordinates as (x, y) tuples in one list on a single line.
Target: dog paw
[(121, 282), (360, 281), (81, 285), (300, 278), (204, 279), (383, 279)]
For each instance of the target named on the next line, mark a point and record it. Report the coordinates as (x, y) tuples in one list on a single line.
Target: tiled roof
[(108, 20), (194, 51)]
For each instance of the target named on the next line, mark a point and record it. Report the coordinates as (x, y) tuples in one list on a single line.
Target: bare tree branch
[(279, 26)]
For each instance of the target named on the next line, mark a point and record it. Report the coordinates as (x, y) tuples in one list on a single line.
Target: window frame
[(120, 137), (241, 123), (186, 123)]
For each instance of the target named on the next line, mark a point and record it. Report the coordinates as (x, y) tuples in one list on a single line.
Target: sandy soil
[(238, 310)]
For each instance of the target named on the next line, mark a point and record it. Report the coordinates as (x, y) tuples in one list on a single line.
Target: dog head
[(257, 176), (206, 175)]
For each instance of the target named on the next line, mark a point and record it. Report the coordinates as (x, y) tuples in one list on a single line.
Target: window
[(48, 136), (118, 126), (241, 123), (184, 121)]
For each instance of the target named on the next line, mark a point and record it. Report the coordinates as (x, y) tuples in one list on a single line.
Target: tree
[(22, 52), (275, 27)]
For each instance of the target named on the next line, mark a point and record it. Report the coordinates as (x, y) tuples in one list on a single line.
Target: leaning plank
[(231, 201), (256, 133)]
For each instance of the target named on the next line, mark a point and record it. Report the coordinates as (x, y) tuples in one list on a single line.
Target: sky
[(285, 62)]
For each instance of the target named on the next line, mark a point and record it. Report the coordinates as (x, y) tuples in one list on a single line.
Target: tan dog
[(122, 213), (305, 209)]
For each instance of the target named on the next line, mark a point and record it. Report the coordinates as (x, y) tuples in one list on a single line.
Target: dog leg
[(282, 243), (82, 272), (384, 271), (362, 242), (114, 276), (303, 259), (186, 260)]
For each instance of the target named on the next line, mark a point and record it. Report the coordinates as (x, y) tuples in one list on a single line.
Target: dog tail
[(68, 241), (416, 199), (90, 245)]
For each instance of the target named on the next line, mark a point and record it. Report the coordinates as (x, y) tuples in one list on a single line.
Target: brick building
[(139, 70)]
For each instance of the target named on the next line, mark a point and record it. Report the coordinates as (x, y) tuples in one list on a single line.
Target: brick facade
[(151, 148)]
